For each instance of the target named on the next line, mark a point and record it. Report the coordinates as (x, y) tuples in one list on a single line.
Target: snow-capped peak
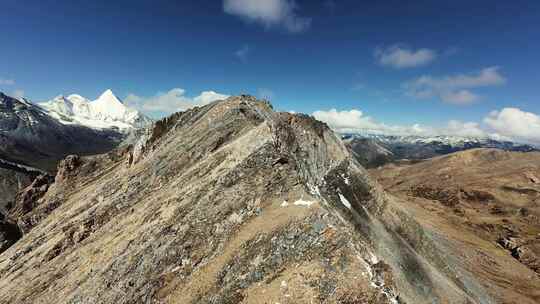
[(77, 99), (107, 111), (59, 105), (109, 96), (108, 107)]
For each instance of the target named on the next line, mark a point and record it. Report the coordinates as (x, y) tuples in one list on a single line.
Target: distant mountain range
[(39, 135), (373, 150)]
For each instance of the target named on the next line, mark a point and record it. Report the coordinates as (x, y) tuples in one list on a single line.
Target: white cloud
[(7, 81), (171, 101), (207, 97), (354, 121), (243, 53), (509, 124), (486, 77), (516, 124), (454, 89), (346, 121), (269, 13), (461, 97), (463, 129), (401, 57)]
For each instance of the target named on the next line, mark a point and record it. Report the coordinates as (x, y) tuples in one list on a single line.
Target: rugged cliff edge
[(230, 203)]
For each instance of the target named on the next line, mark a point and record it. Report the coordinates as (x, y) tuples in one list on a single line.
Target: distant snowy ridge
[(450, 140), (106, 112), (375, 150), (404, 145)]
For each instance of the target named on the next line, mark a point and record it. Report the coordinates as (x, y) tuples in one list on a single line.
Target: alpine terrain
[(487, 198), (233, 202), (106, 112), (39, 135), (374, 150)]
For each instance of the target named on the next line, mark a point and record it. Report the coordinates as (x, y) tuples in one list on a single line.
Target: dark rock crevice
[(9, 232)]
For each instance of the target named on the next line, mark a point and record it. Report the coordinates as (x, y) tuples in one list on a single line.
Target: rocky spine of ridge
[(230, 203)]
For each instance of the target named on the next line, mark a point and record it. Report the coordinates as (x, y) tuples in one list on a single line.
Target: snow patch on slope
[(344, 201), (299, 202)]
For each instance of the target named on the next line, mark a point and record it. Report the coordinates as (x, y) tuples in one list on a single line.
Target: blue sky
[(399, 63)]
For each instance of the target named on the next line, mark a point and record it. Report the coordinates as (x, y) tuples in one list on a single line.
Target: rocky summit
[(235, 203)]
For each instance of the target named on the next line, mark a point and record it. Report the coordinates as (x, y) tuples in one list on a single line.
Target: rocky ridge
[(232, 203)]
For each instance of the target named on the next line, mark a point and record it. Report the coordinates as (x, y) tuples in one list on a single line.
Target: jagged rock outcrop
[(66, 167), (232, 203), (525, 251), (29, 196), (18, 201), (532, 177)]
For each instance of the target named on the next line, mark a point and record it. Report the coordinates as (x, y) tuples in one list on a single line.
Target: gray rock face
[(369, 153), (228, 203), (27, 199), (30, 137), (525, 251), (13, 179)]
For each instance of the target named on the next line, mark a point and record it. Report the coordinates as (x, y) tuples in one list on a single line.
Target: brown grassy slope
[(488, 202)]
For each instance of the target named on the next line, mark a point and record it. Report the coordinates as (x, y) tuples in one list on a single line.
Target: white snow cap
[(109, 107), (107, 111)]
